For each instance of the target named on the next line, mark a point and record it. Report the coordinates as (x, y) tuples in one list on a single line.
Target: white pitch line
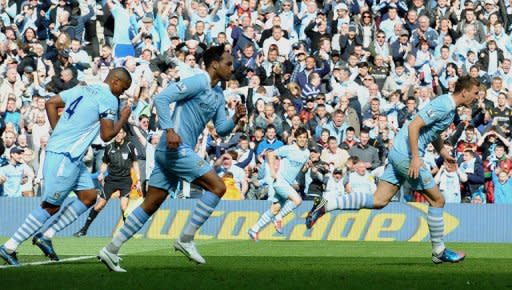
[(48, 262)]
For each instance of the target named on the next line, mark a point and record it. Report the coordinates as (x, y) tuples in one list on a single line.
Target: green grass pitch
[(264, 265)]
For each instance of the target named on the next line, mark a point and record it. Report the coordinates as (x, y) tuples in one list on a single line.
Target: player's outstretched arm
[(52, 109)]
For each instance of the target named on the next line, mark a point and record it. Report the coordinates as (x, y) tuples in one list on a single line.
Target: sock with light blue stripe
[(435, 223), (66, 217), (288, 207), (265, 218), (131, 226), (355, 200), (34, 221), (204, 208)]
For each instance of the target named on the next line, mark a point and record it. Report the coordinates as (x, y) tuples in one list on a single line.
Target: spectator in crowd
[(341, 70), (472, 167), (366, 152), (449, 179), (15, 174), (334, 155), (270, 142), (502, 186), (225, 164), (335, 184), (337, 126), (269, 117), (360, 180)]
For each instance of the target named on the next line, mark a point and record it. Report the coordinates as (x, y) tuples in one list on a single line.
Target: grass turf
[(265, 265)]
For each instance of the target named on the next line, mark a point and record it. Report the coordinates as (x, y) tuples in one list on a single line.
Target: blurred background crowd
[(351, 72)]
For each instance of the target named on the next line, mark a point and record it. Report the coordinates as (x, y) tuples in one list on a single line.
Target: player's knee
[(379, 203), (219, 190), (88, 201), (51, 209), (438, 202), (275, 210)]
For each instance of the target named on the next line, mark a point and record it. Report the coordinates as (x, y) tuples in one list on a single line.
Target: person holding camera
[(317, 172)]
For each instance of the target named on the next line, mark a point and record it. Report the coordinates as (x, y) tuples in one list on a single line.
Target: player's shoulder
[(443, 103), (443, 100), (199, 78)]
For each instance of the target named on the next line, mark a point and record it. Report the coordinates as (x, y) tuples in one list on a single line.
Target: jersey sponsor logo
[(181, 86)]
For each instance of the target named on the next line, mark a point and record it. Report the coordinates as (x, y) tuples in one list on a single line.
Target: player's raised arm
[(118, 80), (175, 92), (52, 109), (223, 125), (109, 129)]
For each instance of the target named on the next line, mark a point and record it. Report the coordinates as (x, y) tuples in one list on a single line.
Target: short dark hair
[(351, 129), (300, 131), (465, 83), (243, 138), (365, 131), (121, 73), (354, 159), (233, 154), (271, 126), (332, 138), (212, 54), (339, 111)]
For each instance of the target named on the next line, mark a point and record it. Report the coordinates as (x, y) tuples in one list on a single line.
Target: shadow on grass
[(173, 272)]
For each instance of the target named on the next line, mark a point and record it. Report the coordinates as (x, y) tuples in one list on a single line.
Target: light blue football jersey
[(438, 116), (196, 104), (79, 123), (293, 160)]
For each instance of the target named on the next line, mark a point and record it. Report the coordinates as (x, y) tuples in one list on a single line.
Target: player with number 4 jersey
[(87, 112)]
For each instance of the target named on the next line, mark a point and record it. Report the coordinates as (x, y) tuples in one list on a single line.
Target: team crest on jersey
[(200, 163), (56, 195), (181, 86), (204, 106), (431, 113), (125, 156)]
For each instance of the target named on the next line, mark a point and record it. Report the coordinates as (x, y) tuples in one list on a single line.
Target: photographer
[(257, 190), (316, 175)]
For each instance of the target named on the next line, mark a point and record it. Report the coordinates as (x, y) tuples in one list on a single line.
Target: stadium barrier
[(232, 219)]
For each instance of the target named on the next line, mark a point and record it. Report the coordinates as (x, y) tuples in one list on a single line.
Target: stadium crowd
[(351, 72)]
